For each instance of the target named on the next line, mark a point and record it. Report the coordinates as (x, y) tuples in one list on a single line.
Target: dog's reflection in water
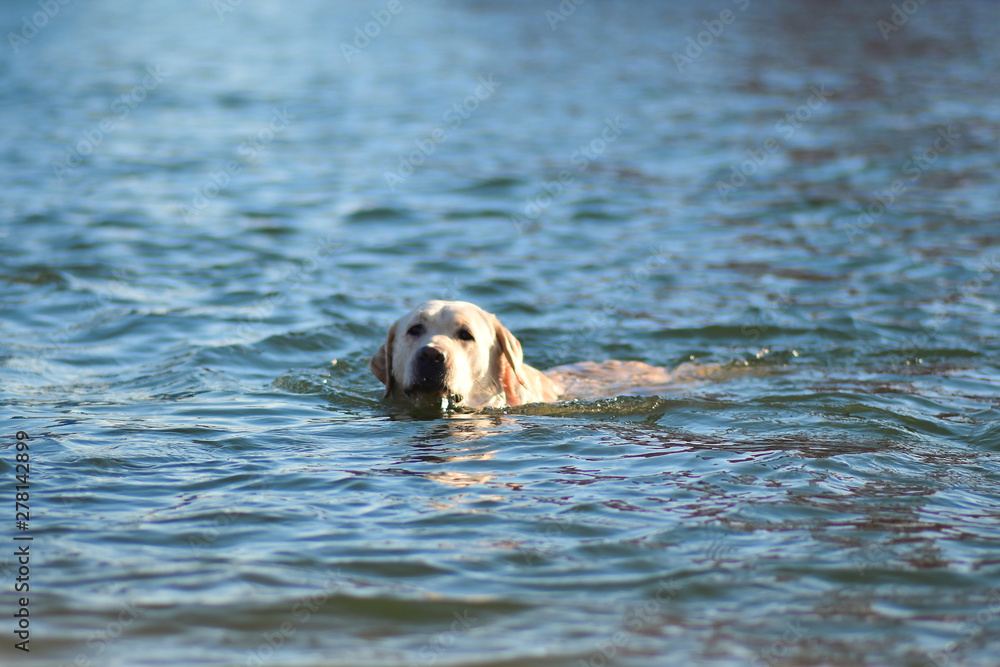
[(450, 441)]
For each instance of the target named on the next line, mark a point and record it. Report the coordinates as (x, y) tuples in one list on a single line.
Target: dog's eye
[(415, 330), (465, 334)]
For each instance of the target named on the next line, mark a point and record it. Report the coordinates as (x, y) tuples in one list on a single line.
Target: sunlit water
[(211, 217)]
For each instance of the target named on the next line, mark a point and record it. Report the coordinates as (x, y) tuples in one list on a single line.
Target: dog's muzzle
[(430, 370), (430, 386)]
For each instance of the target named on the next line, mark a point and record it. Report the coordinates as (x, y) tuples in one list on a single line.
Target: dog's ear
[(381, 363), (509, 361)]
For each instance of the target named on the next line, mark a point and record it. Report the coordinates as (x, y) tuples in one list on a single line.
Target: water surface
[(209, 219)]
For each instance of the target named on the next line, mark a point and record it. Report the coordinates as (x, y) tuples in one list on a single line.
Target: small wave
[(379, 214), (495, 185)]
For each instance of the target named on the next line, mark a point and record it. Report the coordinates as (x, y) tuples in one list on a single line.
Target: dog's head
[(449, 351)]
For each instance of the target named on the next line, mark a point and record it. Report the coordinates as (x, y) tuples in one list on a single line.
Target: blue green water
[(211, 212)]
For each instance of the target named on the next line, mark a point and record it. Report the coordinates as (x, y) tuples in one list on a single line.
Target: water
[(191, 294)]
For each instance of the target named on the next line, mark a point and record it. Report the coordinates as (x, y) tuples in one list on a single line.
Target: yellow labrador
[(453, 353)]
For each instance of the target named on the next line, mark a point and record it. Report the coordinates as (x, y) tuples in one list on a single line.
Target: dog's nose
[(430, 369), (431, 355)]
